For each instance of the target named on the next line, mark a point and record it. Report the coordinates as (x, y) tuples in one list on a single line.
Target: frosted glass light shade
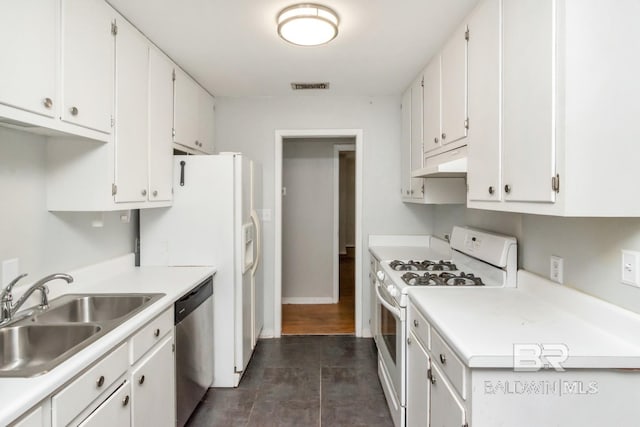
[(307, 24)]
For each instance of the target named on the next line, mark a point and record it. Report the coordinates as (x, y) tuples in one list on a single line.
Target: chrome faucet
[(8, 310)]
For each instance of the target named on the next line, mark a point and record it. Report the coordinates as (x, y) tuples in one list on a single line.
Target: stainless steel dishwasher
[(194, 348)]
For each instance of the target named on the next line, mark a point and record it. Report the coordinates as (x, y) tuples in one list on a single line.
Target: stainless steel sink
[(32, 349), (39, 340), (92, 308)]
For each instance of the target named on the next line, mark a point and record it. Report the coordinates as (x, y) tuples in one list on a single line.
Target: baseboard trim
[(308, 300), (266, 333)]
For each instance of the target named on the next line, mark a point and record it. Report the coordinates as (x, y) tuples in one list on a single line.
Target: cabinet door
[(115, 411), (405, 145), (446, 408), (153, 381), (417, 383), (37, 417), (528, 100), (132, 71), (431, 105), (29, 55), (206, 122), (484, 146), (87, 63), (454, 88), (186, 119), (416, 151), (160, 126)]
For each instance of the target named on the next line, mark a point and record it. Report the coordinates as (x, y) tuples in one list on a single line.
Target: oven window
[(388, 331)]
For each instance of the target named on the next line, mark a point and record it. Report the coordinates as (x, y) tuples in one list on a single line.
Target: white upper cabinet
[(88, 69), (454, 87), (132, 105), (206, 128), (187, 103), (416, 188), (29, 55), (484, 149), (432, 106), (405, 145), (160, 126), (529, 76)]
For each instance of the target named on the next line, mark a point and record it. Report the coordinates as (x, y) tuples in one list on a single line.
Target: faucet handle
[(6, 293)]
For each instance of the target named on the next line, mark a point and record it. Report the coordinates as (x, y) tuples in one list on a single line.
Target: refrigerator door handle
[(182, 163), (258, 237)]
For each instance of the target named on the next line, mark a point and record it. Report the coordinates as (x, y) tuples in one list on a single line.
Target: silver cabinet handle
[(507, 189), (74, 111), (431, 377), (47, 102), (100, 381), (144, 192), (490, 190), (125, 401), (443, 359), (156, 333), (416, 323), (444, 136), (141, 380), (436, 140), (409, 341), (155, 193)]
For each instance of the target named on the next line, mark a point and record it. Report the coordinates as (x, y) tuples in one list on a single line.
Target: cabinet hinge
[(173, 75), (173, 348), (466, 35), (173, 132), (114, 189), (422, 189), (555, 183), (113, 121), (466, 123), (422, 82), (114, 28)]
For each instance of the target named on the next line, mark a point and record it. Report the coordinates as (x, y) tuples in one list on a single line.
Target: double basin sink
[(41, 339)]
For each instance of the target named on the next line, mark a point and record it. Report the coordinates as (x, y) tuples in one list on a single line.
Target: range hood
[(450, 164)]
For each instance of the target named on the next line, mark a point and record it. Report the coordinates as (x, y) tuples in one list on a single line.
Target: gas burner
[(425, 265), (441, 279)]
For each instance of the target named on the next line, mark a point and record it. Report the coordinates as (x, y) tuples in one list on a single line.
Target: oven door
[(390, 338)]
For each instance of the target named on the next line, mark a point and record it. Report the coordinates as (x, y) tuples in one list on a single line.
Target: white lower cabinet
[(133, 385), (418, 393), (446, 407), (115, 411), (153, 394)]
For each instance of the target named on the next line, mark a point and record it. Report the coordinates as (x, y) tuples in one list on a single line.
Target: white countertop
[(18, 395), (483, 324), (388, 248)]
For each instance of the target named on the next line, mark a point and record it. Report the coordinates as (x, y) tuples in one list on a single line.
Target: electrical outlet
[(557, 269), (630, 268)]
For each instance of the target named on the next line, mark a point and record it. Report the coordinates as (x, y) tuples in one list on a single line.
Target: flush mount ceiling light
[(307, 24)]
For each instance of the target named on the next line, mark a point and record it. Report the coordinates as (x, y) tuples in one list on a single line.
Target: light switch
[(630, 268)]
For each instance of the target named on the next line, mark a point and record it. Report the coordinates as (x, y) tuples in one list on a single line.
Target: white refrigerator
[(213, 222)]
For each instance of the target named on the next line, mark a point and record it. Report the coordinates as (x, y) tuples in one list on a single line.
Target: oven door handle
[(385, 303)]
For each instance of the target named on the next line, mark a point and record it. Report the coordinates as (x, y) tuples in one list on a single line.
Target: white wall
[(249, 125), (307, 220), (47, 242), (590, 247)]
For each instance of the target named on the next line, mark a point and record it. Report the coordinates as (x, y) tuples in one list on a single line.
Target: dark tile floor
[(302, 381)]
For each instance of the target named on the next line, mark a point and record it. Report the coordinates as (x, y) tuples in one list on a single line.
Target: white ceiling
[(231, 46)]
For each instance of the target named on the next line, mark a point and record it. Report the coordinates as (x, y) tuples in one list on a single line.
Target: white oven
[(390, 335)]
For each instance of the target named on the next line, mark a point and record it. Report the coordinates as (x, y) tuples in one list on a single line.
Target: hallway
[(325, 319)]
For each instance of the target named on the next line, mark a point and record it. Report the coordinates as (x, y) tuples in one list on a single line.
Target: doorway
[(321, 305), (318, 236)]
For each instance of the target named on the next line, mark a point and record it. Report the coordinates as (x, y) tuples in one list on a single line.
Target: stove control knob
[(392, 290), (380, 275)]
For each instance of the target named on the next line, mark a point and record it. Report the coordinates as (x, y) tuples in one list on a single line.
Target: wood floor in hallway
[(325, 319)]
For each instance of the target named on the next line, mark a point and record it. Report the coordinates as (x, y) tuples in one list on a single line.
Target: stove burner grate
[(425, 265), (441, 279)]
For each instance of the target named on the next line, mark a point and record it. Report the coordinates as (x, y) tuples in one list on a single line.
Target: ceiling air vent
[(304, 86)]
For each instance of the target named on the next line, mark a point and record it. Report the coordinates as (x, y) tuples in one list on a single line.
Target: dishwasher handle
[(192, 300)]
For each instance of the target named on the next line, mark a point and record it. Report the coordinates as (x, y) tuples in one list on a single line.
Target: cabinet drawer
[(150, 335), (115, 411), (67, 404), (453, 368), (420, 327)]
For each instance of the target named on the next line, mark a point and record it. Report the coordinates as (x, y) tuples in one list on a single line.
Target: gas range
[(477, 258)]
